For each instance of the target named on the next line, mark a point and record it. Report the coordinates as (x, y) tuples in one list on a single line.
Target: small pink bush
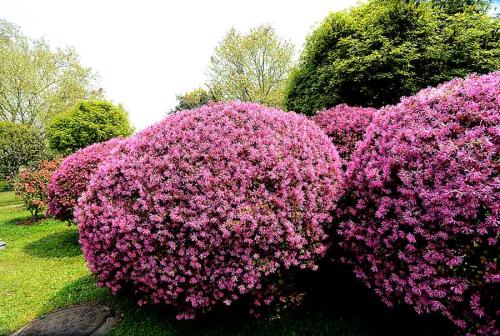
[(211, 205), (31, 186), (423, 221), (345, 126), (71, 179)]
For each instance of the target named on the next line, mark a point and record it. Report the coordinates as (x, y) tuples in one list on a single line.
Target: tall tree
[(37, 82), (374, 54), (459, 6), (251, 67)]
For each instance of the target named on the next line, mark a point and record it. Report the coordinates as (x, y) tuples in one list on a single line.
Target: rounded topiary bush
[(72, 177), (345, 126), (211, 205), (422, 221)]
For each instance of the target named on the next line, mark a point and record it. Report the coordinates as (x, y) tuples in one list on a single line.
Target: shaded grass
[(55, 245), (42, 269)]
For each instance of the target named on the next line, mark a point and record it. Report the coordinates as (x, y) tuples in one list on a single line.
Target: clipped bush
[(72, 177), (31, 185), (89, 122), (345, 126), (211, 205), (422, 221)]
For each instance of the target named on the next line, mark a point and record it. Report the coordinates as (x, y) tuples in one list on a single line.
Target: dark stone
[(82, 320)]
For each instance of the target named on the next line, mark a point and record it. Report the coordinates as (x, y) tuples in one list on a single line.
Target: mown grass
[(42, 269), (7, 198)]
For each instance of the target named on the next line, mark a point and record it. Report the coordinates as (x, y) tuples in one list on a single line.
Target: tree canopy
[(86, 123), (373, 54), (251, 67), (37, 82), (20, 145), (193, 99)]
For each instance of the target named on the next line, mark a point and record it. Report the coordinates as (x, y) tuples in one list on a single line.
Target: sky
[(146, 52)]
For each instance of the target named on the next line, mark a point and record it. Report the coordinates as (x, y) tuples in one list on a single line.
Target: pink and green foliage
[(345, 126), (211, 205), (71, 179), (31, 185), (422, 221)]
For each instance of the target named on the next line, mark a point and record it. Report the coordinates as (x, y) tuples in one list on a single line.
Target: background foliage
[(193, 99), (373, 54), (86, 123), (37, 82), (20, 145), (250, 67)]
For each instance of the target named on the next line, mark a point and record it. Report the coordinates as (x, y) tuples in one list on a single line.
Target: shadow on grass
[(336, 304), (21, 220), (160, 319), (56, 245), (335, 291)]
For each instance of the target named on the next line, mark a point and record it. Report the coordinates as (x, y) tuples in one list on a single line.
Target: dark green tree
[(374, 54), (87, 123)]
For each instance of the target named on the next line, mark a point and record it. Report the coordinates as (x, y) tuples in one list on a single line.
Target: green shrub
[(373, 54), (20, 145), (87, 123)]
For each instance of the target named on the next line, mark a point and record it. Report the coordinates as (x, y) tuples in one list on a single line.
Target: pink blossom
[(345, 126), (422, 202), (216, 203), (70, 180)]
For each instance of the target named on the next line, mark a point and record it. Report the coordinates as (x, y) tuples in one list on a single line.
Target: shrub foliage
[(72, 177), (20, 145), (373, 54), (31, 185), (211, 205), (422, 224), (89, 122), (345, 126)]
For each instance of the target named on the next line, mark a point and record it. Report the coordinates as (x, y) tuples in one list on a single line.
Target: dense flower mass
[(71, 179), (345, 126), (210, 205), (422, 223)]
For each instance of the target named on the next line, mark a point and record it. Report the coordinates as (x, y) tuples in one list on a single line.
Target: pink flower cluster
[(211, 205), (71, 179), (422, 220), (345, 126)]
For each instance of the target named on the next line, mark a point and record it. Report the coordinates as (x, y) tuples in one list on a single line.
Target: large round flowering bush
[(71, 179), (345, 126), (423, 221), (210, 205)]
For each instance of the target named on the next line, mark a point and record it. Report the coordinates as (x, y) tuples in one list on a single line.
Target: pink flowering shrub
[(345, 126), (211, 205), (71, 179), (31, 186), (422, 222)]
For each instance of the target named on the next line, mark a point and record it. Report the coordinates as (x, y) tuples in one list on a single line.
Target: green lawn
[(42, 269), (7, 198)]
